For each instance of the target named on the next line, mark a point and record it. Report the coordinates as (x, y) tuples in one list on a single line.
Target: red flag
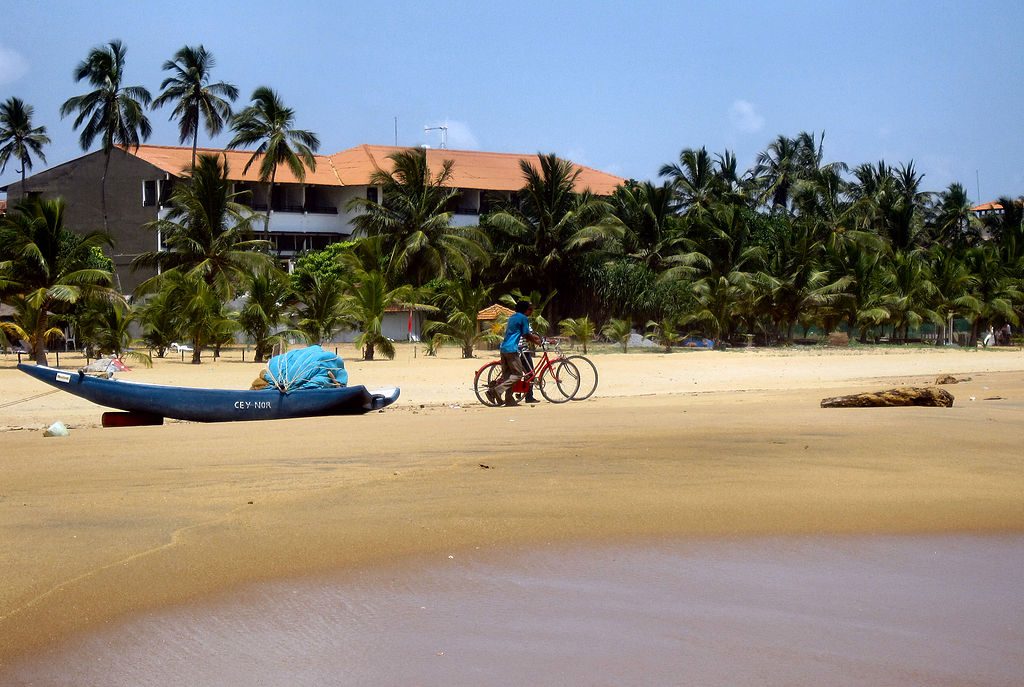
[(410, 320)]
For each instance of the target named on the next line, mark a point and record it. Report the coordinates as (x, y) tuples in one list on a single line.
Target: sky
[(619, 86)]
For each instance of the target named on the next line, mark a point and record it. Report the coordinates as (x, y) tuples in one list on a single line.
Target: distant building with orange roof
[(304, 216)]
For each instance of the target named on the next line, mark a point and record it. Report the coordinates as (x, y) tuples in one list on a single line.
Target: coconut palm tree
[(696, 182), (1007, 228), (19, 139), (48, 265), (267, 124), (201, 311), (321, 309), (618, 331), (267, 300), (665, 332), (909, 293), (414, 222), (113, 112), (161, 325), (367, 299), (954, 222), (650, 230), (106, 328), (196, 101), (547, 226), (994, 291), (459, 303), (206, 232), (580, 329)]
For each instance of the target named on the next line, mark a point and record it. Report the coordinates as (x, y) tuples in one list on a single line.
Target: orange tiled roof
[(175, 160), (492, 312), (987, 206), (353, 167)]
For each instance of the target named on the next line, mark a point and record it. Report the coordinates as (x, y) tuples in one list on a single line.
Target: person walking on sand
[(512, 369)]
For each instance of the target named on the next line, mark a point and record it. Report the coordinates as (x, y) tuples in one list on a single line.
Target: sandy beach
[(109, 523)]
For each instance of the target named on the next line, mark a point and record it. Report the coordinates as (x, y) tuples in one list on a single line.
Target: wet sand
[(110, 523), (841, 611)]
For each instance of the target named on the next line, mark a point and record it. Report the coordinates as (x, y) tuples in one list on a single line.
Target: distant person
[(512, 367)]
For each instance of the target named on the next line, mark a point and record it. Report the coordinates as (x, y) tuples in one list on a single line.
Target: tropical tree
[(909, 293), (161, 325), (105, 327), (197, 102), (547, 226), (581, 329), (321, 310), (618, 331), (694, 179), (994, 291), (650, 232), (1007, 228), (459, 303), (48, 265), (267, 124), (665, 333), (202, 315), (113, 112), (414, 222), (206, 231), (368, 298), (954, 223), (19, 139), (267, 300)]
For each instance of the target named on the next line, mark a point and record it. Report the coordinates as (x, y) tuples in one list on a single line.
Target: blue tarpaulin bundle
[(306, 368)]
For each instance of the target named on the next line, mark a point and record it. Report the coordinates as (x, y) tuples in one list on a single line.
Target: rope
[(29, 398)]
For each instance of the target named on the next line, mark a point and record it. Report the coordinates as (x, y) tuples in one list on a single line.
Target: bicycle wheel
[(484, 381), (560, 383), (588, 376)]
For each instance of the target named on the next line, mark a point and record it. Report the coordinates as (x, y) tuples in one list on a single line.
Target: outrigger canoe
[(213, 405)]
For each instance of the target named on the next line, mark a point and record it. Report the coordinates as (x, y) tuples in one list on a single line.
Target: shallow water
[(873, 611)]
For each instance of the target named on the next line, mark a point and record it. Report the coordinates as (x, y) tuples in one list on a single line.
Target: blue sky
[(620, 86)]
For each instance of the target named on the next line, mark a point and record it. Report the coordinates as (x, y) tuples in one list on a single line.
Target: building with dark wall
[(304, 216)]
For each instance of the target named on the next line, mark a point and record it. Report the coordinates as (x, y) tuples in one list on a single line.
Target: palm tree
[(909, 293), (695, 180), (368, 298), (48, 265), (547, 226), (322, 309), (954, 221), (106, 327), (158, 317), (618, 331), (206, 232), (197, 101), (580, 328), (267, 124), (200, 309), (19, 139), (460, 302), (414, 222), (1007, 228), (268, 296), (665, 332), (994, 289), (650, 230), (113, 111)]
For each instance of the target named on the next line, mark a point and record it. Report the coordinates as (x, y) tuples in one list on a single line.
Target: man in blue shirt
[(512, 370)]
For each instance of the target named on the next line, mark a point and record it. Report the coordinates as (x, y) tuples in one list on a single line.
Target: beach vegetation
[(618, 331), (458, 303), (269, 125), (20, 138), (113, 112)]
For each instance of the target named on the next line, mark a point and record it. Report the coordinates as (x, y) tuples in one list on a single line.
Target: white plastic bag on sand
[(57, 429)]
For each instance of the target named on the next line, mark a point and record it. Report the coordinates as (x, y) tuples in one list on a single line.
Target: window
[(166, 188), (148, 193), (371, 194)]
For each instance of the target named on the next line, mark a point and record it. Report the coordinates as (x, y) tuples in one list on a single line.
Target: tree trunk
[(195, 145), (270, 196), (368, 351), (103, 190), (195, 351), (39, 340), (467, 350)]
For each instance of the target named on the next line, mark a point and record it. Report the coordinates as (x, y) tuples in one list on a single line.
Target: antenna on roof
[(396, 131), (444, 134)]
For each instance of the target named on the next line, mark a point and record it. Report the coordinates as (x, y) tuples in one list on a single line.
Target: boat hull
[(213, 405)]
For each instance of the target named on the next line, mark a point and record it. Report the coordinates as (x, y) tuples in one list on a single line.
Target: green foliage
[(322, 263), (618, 331), (665, 333), (20, 139), (267, 302), (580, 329), (459, 303)]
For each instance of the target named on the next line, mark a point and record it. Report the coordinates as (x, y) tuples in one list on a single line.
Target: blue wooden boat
[(212, 405)]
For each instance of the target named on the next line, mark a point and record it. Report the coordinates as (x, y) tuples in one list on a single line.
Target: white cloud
[(744, 116), (12, 65)]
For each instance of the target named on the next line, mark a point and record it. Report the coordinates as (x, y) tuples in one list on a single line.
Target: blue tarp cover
[(306, 368)]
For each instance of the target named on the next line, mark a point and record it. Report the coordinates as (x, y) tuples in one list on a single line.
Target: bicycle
[(557, 379), (588, 376)]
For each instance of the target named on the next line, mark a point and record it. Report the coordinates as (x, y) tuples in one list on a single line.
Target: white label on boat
[(63, 377)]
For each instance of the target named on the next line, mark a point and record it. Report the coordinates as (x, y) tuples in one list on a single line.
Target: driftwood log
[(903, 396)]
